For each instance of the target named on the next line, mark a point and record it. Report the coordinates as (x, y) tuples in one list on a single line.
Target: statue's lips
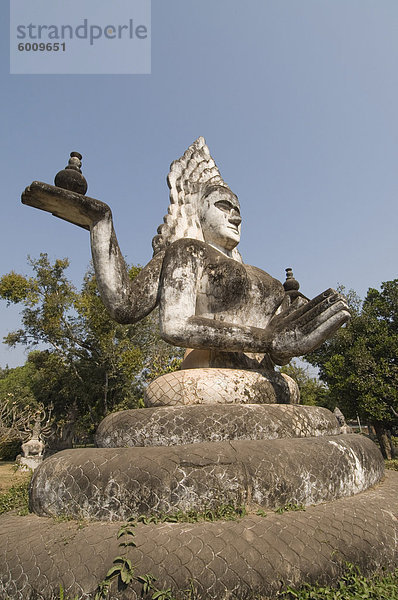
[(234, 229)]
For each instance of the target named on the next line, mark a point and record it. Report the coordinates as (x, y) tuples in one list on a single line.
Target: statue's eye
[(224, 205)]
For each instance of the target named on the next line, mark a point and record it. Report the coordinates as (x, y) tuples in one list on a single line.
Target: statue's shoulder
[(261, 273), (185, 247), (272, 286)]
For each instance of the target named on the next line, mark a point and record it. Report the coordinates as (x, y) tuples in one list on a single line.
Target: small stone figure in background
[(14, 419), (344, 428), (33, 447)]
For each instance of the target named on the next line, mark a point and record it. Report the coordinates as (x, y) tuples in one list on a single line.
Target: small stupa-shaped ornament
[(71, 177), (291, 284)]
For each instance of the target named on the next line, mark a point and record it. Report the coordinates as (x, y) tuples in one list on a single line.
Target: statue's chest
[(230, 291)]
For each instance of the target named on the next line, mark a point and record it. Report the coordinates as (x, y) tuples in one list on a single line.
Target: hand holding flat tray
[(65, 204)]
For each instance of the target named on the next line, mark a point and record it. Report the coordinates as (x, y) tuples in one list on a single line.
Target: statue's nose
[(235, 219)]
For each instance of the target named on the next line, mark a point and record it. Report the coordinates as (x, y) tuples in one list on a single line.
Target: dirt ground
[(8, 476)]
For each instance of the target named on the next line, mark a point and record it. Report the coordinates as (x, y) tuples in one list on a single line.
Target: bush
[(9, 450)]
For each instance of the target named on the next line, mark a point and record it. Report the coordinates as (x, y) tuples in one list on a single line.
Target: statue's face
[(220, 218)]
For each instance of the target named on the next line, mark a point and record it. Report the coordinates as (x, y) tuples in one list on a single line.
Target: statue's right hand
[(304, 329), (70, 206)]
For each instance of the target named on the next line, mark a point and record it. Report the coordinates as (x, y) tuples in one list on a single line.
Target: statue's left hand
[(303, 330)]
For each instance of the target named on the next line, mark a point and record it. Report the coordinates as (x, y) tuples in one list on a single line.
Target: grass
[(352, 586), (9, 476), (224, 512), (289, 507), (14, 486), (392, 464), (16, 498)]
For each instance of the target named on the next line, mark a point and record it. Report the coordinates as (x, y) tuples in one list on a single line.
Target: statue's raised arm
[(209, 300), (127, 301)]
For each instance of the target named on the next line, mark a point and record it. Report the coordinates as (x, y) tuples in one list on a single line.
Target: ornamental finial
[(71, 177)]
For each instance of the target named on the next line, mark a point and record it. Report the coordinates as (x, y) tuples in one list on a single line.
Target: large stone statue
[(226, 429), (231, 314)]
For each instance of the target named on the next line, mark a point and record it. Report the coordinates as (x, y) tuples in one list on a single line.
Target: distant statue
[(232, 315), (33, 447), (344, 428), (35, 444)]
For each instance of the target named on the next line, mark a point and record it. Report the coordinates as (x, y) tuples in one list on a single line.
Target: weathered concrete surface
[(117, 483), (207, 297), (169, 426), (222, 559), (221, 386)]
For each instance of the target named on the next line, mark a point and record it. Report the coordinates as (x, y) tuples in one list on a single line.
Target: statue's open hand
[(65, 204), (302, 330)]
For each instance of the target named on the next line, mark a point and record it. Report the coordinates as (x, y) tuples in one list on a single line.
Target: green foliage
[(16, 498), (63, 596), (352, 586), (16, 288), (392, 464), (92, 365), (224, 512), (312, 391), (290, 506), (10, 449), (17, 383), (122, 569), (360, 363)]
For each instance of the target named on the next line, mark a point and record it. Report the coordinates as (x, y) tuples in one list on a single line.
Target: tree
[(312, 391), (92, 365), (360, 363), (17, 383)]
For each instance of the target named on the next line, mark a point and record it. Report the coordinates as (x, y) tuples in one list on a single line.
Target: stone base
[(175, 425), (224, 559), (119, 483), (28, 463), (221, 386)]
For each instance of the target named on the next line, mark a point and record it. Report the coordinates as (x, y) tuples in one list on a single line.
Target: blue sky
[(297, 101)]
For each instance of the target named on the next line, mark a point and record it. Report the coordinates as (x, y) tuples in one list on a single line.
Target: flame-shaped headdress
[(188, 179)]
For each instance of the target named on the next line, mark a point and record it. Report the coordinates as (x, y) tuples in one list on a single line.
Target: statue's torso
[(233, 292)]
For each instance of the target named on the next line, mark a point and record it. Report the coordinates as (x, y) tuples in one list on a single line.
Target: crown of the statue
[(190, 177), (195, 169)]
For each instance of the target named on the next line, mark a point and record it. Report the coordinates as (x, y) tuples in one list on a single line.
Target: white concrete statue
[(209, 300)]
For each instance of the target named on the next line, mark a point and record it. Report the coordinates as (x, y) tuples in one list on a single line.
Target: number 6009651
[(42, 47)]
